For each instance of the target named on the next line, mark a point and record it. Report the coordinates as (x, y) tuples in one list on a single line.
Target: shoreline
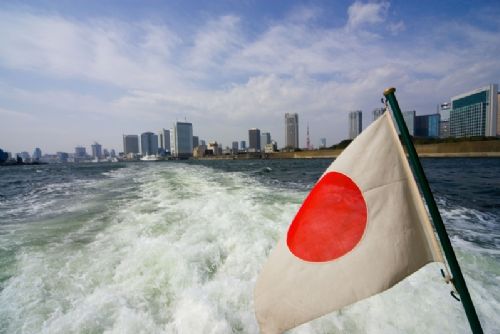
[(280, 155), (469, 149)]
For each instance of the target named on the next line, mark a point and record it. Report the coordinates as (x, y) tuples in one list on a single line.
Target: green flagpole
[(458, 279)]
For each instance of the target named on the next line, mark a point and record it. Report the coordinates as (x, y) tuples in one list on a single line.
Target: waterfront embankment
[(463, 149)]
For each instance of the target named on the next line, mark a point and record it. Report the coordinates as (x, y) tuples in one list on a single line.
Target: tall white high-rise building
[(475, 113), (355, 123), (292, 130), (182, 140), (444, 123)]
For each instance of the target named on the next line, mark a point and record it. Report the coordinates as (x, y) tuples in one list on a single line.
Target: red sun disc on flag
[(331, 221)]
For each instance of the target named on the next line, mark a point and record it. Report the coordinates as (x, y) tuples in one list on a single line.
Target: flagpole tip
[(389, 91)]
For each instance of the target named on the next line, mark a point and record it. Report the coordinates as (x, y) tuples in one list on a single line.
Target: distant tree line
[(427, 141), (420, 141)]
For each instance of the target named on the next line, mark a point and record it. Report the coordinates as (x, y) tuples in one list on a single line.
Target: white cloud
[(366, 13), (396, 28), (303, 14), (102, 50), (214, 41), (9, 115), (226, 80)]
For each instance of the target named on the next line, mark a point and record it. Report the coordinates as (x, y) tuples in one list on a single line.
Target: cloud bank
[(99, 77)]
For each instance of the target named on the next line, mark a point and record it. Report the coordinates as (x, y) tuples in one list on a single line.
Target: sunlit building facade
[(475, 113)]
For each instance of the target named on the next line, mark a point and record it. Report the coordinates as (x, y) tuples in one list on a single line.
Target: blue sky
[(74, 72)]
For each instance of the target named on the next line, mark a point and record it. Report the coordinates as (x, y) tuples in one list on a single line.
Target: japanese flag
[(362, 228)]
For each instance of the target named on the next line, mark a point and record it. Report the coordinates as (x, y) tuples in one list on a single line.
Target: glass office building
[(149, 144), (130, 144), (254, 140), (427, 126), (475, 113), (183, 140)]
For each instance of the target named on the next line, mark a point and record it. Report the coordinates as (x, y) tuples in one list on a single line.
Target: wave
[(176, 248)]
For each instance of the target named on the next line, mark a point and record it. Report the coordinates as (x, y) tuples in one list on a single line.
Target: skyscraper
[(149, 144), (475, 113), (254, 140), (235, 147), (130, 144), (265, 138), (80, 152), (37, 154), (96, 150), (444, 123), (196, 141), (427, 126), (377, 112), (62, 157), (292, 130), (355, 123), (182, 140), (322, 143), (164, 139), (25, 156), (409, 117), (243, 145)]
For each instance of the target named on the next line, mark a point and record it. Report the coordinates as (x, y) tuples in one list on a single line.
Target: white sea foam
[(179, 252)]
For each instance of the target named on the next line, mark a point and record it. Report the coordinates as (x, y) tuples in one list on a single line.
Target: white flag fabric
[(362, 228)]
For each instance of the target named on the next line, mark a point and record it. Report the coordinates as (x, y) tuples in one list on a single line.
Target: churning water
[(176, 248)]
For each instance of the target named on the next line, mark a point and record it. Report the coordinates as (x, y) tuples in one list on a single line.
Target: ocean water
[(175, 247)]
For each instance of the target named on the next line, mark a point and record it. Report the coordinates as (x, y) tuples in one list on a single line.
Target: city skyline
[(423, 126), (86, 71)]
